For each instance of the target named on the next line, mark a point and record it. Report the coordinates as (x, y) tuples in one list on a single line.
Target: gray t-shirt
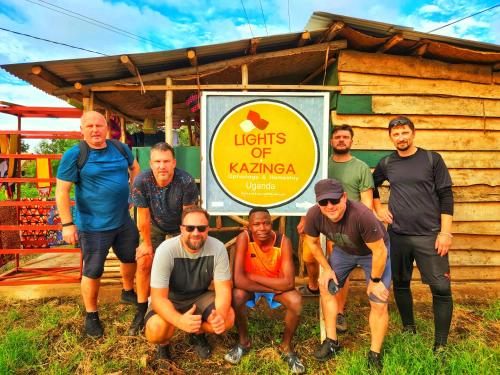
[(188, 275)]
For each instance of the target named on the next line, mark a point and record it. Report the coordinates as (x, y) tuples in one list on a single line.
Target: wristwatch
[(375, 279)]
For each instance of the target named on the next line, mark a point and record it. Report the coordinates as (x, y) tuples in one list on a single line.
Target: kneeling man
[(183, 269), (360, 239), (263, 264)]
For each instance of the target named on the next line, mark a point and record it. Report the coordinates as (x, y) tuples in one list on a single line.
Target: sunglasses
[(191, 228), (325, 202), (398, 122)]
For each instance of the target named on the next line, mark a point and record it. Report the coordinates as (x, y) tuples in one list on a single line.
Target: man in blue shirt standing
[(102, 218)]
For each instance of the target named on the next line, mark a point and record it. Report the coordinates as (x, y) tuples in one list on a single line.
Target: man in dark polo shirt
[(160, 194), (360, 240), (183, 269)]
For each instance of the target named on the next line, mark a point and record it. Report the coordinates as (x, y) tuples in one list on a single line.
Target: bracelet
[(68, 224), (445, 234)]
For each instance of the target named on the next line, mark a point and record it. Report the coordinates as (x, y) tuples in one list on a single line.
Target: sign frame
[(321, 135)]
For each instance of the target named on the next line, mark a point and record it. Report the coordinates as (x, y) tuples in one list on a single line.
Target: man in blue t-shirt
[(160, 194), (102, 217)]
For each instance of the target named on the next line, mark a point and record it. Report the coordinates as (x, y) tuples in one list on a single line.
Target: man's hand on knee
[(143, 250), (189, 322), (217, 321), (378, 290)]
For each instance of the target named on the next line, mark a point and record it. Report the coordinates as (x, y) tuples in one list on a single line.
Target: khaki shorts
[(205, 303)]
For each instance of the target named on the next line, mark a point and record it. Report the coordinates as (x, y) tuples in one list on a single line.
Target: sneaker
[(201, 345), (235, 354), (375, 360), (137, 324), (93, 326), (128, 297), (410, 329), (341, 323), (306, 292), (294, 363), (163, 352), (328, 349)]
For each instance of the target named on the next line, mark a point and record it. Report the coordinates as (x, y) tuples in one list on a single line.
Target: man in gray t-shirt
[(183, 269)]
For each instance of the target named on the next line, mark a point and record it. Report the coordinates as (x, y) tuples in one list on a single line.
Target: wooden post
[(169, 99), (244, 76), (123, 136), (86, 104), (91, 102)]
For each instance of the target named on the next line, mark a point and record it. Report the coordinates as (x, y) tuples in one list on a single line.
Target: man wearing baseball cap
[(360, 239)]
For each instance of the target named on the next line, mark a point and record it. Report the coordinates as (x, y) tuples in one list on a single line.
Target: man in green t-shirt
[(356, 179)]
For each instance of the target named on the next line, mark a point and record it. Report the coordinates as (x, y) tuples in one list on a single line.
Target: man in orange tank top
[(263, 264)]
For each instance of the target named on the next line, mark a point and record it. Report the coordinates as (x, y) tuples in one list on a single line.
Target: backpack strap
[(119, 146)]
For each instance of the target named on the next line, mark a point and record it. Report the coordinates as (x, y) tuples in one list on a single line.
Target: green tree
[(55, 146)]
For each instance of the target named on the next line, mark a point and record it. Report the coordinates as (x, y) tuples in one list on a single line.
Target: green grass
[(46, 337)]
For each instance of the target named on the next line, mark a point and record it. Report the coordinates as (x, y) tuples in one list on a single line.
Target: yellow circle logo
[(264, 153)]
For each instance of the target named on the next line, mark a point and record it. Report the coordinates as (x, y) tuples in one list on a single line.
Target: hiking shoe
[(201, 345), (328, 349), (294, 363), (306, 292), (137, 324), (163, 352), (375, 360), (341, 323), (410, 329), (93, 326), (235, 354), (128, 297)]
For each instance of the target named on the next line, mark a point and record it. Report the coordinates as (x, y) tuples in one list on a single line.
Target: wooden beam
[(477, 211), (169, 100), (304, 38), (238, 61), (318, 71), (332, 31), (408, 66), (129, 64), (496, 67), (216, 87), (420, 48), (359, 83), (395, 39), (104, 104), (252, 46), (191, 55), (432, 105), (479, 227), (244, 75), (48, 76)]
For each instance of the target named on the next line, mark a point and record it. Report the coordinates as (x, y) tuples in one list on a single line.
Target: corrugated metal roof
[(322, 20)]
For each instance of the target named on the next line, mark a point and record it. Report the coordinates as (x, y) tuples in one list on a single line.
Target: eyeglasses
[(325, 202), (398, 122), (191, 228)]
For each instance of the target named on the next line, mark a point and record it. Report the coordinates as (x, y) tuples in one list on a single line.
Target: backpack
[(83, 156)]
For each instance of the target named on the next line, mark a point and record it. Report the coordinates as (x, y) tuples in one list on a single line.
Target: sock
[(92, 315)]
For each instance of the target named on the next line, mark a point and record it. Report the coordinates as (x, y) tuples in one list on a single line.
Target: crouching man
[(263, 264), (183, 269), (360, 240)]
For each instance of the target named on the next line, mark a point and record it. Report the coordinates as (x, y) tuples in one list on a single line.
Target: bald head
[(94, 129)]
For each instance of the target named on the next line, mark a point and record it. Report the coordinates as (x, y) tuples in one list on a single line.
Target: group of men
[(175, 261)]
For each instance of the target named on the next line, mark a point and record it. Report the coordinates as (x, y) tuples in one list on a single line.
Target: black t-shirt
[(357, 227), (413, 200)]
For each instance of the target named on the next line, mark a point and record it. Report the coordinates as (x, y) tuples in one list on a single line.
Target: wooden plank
[(420, 121), (354, 104), (453, 159), (424, 105), (459, 140), (370, 84), (496, 78), (172, 87), (478, 227), (361, 62), (485, 211), (474, 258), (458, 273), (468, 177), (462, 194), (476, 242)]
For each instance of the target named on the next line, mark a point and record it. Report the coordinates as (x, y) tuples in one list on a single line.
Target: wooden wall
[(456, 111)]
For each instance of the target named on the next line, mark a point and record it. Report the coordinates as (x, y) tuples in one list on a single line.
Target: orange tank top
[(264, 263)]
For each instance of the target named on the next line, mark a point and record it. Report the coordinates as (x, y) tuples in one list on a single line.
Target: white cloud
[(431, 8)]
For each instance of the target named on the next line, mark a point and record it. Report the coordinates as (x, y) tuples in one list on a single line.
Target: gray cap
[(328, 189)]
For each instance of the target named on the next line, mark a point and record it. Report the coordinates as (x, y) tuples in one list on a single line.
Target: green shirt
[(354, 175)]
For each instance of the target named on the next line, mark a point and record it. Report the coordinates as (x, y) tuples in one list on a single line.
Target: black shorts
[(433, 268), (205, 303), (158, 236)]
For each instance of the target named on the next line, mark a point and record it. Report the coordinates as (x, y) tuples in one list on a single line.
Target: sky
[(115, 27)]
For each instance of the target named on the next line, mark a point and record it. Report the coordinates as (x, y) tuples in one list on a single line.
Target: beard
[(341, 151), (403, 147), (195, 246)]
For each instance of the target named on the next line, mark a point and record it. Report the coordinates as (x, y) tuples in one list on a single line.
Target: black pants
[(435, 271)]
